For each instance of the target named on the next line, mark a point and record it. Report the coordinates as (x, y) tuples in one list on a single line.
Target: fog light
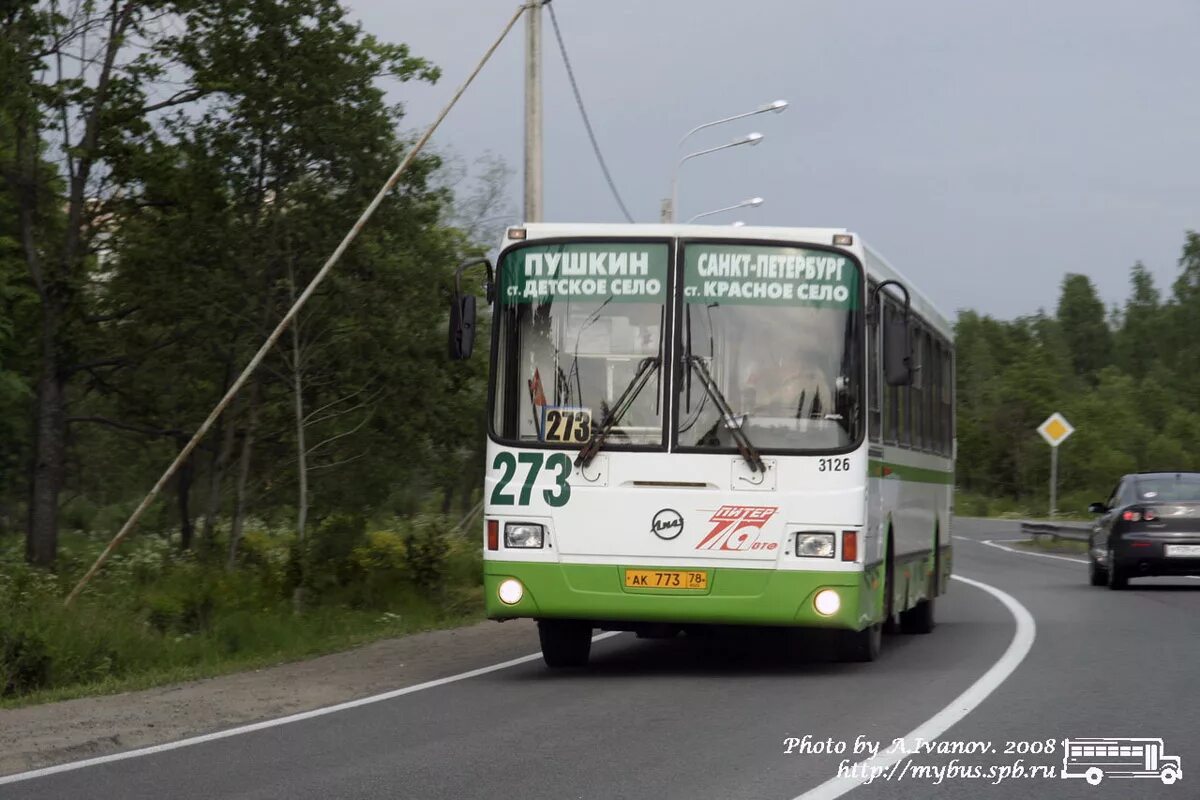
[(827, 602), (510, 591)]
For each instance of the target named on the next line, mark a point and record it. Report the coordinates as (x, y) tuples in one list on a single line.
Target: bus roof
[(877, 267)]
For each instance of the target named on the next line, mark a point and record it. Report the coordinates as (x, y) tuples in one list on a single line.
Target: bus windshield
[(779, 330), (577, 323)]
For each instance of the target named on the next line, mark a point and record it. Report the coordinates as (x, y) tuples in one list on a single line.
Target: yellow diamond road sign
[(1055, 429)]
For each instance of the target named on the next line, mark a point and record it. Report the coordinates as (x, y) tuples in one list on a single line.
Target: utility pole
[(533, 111)]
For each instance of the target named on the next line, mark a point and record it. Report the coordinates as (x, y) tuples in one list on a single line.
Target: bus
[(1097, 759), (694, 426)]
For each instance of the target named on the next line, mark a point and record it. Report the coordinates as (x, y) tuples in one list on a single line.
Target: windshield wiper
[(744, 445), (646, 367)]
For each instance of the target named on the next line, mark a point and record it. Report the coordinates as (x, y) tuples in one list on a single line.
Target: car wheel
[(1097, 574), (1117, 579), (919, 618), (565, 642)]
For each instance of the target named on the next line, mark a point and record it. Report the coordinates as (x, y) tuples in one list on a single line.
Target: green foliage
[(156, 611), (1131, 390), (425, 550)]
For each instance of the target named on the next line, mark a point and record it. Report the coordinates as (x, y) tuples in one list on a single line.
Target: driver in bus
[(791, 386)]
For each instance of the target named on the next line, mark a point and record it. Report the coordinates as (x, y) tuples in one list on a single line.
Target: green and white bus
[(698, 425)]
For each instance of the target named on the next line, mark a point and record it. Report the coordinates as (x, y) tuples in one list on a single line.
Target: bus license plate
[(1183, 550), (665, 579)]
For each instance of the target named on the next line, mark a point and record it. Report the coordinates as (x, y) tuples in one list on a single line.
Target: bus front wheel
[(565, 642), (919, 618), (1169, 776), (861, 646)]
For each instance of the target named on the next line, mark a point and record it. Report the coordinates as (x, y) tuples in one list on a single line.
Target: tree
[(1139, 340), (80, 81), (1084, 329)]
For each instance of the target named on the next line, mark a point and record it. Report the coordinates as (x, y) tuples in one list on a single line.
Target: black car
[(1150, 525)]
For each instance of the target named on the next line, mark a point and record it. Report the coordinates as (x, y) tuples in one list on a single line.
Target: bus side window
[(874, 378), (903, 398), (928, 403), (920, 386), (935, 397), (891, 401), (948, 394)]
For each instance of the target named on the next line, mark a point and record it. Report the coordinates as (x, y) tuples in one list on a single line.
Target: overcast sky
[(984, 148)]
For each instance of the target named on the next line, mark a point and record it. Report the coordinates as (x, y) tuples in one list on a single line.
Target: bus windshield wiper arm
[(744, 445), (646, 368)]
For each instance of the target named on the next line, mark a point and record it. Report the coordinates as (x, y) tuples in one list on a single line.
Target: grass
[(155, 615), (1045, 544), (971, 504), (301, 641)]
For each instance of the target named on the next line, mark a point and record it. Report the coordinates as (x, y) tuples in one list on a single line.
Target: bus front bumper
[(732, 597)]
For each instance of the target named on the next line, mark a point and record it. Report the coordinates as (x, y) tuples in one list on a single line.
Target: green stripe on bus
[(906, 473)]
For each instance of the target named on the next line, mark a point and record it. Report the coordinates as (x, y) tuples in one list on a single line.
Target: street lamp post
[(753, 202), (750, 138), (777, 107)]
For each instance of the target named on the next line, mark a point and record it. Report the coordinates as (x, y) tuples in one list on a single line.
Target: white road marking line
[(992, 543), (958, 708), (272, 723)]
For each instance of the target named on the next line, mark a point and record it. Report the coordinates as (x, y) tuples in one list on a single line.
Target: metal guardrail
[(1071, 531)]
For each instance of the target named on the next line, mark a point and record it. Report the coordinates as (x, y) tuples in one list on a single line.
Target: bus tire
[(890, 625), (861, 646), (565, 642), (919, 618), (1169, 776), (1093, 776)]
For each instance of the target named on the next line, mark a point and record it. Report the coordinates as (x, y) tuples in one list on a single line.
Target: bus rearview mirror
[(897, 351), (462, 327)]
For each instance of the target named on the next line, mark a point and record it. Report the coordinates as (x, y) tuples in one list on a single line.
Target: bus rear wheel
[(1094, 776), (565, 642), (861, 646)]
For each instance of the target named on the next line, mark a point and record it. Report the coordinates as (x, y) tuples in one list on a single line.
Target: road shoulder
[(54, 733)]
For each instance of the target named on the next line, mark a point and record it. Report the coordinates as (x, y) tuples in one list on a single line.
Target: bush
[(155, 611), (24, 663), (426, 547), (331, 550)]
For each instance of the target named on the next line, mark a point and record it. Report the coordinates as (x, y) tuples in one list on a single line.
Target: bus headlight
[(524, 534), (815, 545), (510, 591), (827, 602)]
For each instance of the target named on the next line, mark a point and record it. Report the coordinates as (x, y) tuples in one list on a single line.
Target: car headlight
[(524, 534), (815, 545)]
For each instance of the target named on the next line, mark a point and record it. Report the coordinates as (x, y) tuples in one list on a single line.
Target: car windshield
[(1180, 488), (576, 323), (777, 328)]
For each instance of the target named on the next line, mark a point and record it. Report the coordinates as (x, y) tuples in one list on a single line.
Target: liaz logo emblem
[(737, 529), (667, 524)]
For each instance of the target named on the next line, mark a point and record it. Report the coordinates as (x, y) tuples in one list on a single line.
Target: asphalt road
[(709, 718)]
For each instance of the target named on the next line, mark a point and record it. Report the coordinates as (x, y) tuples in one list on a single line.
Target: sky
[(985, 149)]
